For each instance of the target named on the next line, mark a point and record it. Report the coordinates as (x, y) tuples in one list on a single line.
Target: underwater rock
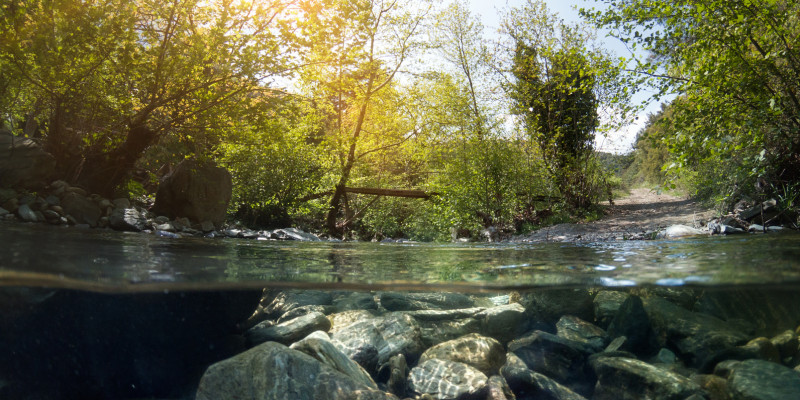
[(274, 371), (763, 380), (786, 343), (394, 301), (324, 351), (498, 389), (274, 304), (289, 331), (482, 353), (389, 335), (435, 331), (527, 384), (606, 304), (632, 322), (561, 359), (766, 312), (697, 337), (630, 379), (504, 322), (355, 301), (760, 348), (549, 305), (574, 328), (445, 380), (346, 318), (304, 310), (398, 375)]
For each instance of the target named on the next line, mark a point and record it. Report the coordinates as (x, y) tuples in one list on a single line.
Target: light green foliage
[(651, 154), (734, 65), (559, 84)]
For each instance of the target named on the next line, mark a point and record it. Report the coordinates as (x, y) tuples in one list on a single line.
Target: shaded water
[(97, 314)]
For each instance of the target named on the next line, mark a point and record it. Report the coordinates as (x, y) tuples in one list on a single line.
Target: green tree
[(559, 82), (735, 67), (107, 80), (357, 49)]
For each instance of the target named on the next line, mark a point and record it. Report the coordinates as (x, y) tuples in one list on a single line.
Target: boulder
[(504, 322), (274, 303), (83, 210), (294, 234), (550, 305), (355, 301), (482, 353), (630, 379), (763, 380), (321, 348), (698, 338), (527, 384), (26, 214), (445, 380), (765, 312), (127, 219), (561, 359), (372, 342), (498, 389), (632, 322), (23, 163), (198, 191), (574, 328), (289, 331), (394, 301), (606, 304), (679, 231), (274, 371)]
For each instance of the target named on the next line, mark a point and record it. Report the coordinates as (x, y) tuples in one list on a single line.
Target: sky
[(489, 11)]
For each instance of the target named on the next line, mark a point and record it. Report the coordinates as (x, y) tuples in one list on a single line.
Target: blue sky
[(618, 142)]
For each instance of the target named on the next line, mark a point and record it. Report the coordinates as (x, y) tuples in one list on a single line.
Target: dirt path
[(634, 217)]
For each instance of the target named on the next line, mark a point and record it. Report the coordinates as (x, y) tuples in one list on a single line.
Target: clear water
[(34, 255), (92, 314)]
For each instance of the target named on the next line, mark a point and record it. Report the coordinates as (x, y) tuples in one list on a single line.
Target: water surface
[(102, 260)]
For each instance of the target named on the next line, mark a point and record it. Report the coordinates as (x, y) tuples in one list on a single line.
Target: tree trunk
[(103, 173)]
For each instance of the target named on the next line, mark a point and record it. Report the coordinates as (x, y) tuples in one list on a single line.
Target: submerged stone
[(394, 301), (763, 380), (480, 352), (574, 328), (274, 371), (323, 350), (289, 331), (630, 379), (446, 380)]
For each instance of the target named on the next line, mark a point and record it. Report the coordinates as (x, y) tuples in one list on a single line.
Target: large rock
[(550, 305), (574, 328), (81, 208), (632, 322), (274, 371), (763, 380), (200, 192), (606, 305), (289, 331), (764, 312), (561, 359), (274, 303), (320, 347), (23, 163), (527, 384), (630, 379), (372, 342), (394, 301), (480, 352), (127, 219), (445, 380), (698, 338)]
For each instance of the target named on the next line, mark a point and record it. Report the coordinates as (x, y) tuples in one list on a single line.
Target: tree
[(358, 48), (559, 83), (107, 80), (735, 68)]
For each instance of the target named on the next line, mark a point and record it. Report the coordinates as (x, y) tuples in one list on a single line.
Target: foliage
[(559, 83), (651, 154), (735, 68)]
